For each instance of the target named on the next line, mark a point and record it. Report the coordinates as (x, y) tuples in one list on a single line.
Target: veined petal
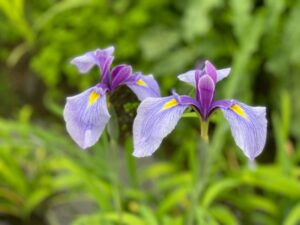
[(205, 93), (101, 57), (156, 118), (189, 76), (248, 127), (86, 116), (211, 70), (143, 86), (119, 74), (223, 73)]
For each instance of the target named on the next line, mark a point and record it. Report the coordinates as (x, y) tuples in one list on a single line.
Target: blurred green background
[(45, 179)]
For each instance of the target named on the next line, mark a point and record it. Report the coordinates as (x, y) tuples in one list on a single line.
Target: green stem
[(199, 167), (116, 187), (113, 131), (204, 130), (131, 165)]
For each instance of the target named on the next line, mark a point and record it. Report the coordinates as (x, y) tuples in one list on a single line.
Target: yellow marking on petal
[(141, 82), (170, 104), (238, 110), (93, 98)]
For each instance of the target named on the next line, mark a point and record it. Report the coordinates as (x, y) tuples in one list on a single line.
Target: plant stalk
[(204, 130), (199, 167)]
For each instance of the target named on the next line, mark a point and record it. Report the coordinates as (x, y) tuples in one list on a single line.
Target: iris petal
[(143, 86), (211, 70), (156, 118), (205, 93), (101, 57), (248, 127), (86, 116), (223, 73), (189, 76), (119, 74)]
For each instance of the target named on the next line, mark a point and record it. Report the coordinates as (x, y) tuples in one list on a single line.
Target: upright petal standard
[(189, 76), (248, 124), (86, 114)]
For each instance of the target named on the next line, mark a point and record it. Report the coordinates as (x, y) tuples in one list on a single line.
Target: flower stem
[(116, 179), (199, 167), (204, 130), (113, 131)]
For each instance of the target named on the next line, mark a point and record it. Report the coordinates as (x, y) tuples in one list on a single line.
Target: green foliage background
[(46, 179)]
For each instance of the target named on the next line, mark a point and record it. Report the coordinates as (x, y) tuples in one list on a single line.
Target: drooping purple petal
[(143, 86), (86, 116), (205, 93), (119, 74), (156, 118), (101, 57), (248, 127)]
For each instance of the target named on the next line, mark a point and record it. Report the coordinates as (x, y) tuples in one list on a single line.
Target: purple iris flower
[(86, 114), (157, 117)]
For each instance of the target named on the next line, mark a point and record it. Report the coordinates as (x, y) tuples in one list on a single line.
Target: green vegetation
[(45, 179)]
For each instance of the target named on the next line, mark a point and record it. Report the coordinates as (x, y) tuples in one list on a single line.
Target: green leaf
[(250, 202), (204, 217), (157, 170), (196, 20), (36, 198), (179, 179), (282, 154), (148, 216), (131, 164), (178, 196), (285, 112), (127, 218), (217, 188), (12, 175), (56, 9), (174, 220), (158, 41), (9, 209), (223, 215), (272, 179), (174, 63), (11, 196), (124, 218), (293, 218)]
